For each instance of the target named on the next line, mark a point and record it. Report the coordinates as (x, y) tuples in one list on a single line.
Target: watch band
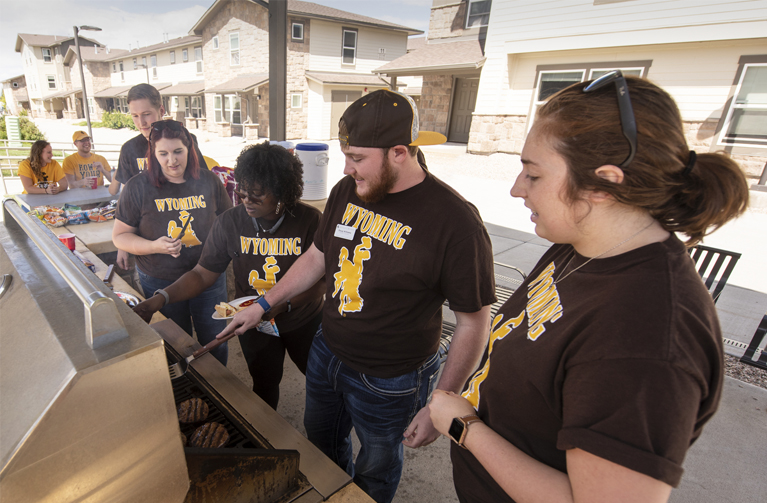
[(263, 303), (460, 428), (164, 294), (290, 307)]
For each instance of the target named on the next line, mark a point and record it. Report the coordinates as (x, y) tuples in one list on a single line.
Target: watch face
[(456, 429)]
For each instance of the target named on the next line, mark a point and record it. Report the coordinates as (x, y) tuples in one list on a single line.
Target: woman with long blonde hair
[(40, 173)]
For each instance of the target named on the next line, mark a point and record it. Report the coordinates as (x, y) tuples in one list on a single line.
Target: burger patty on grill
[(209, 435), (193, 410)]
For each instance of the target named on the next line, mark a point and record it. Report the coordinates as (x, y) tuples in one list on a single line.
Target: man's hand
[(421, 431), (53, 188), (123, 260), (243, 321), (150, 306)]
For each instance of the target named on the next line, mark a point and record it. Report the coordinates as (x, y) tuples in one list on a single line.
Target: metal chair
[(709, 262), (748, 356)]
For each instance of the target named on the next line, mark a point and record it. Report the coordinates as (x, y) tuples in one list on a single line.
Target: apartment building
[(330, 61), (16, 96), (96, 70), (48, 79)]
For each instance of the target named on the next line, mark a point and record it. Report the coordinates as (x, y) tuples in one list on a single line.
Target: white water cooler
[(314, 157)]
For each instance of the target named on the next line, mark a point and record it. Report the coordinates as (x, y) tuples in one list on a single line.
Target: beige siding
[(326, 47), (318, 113)]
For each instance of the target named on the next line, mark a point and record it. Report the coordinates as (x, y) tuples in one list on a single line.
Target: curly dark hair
[(273, 168)]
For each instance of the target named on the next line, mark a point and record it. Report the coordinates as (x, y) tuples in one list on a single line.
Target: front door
[(339, 102), (464, 100)]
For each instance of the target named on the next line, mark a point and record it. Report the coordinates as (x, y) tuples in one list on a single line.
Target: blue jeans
[(380, 409), (198, 310)]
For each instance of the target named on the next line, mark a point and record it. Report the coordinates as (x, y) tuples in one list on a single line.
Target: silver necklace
[(561, 278)]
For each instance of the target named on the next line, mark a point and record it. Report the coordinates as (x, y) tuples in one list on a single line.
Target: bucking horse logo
[(348, 279)]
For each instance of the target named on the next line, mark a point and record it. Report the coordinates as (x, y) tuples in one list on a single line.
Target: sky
[(126, 22)]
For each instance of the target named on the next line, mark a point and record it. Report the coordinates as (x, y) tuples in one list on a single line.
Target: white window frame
[(185, 55), (143, 61), (198, 60), (114, 67), (218, 102), (470, 16), (135, 63), (153, 65), (232, 51), (172, 57), (48, 79), (91, 106), (587, 71), (215, 43), (345, 47), (296, 100), (47, 57), (196, 106), (734, 106), (293, 36)]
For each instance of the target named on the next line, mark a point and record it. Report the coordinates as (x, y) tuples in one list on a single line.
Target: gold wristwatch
[(460, 428)]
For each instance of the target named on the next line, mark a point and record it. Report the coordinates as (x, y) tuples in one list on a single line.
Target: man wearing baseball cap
[(394, 242), (82, 167)]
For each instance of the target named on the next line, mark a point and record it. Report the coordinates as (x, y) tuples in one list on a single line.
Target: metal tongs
[(179, 368)]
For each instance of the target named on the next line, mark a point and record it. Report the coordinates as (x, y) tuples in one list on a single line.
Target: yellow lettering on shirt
[(141, 162), (180, 204), (270, 246), (376, 226), (544, 304)]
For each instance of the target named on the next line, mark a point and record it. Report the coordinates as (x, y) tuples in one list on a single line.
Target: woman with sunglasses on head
[(603, 367), (164, 216), (262, 237)]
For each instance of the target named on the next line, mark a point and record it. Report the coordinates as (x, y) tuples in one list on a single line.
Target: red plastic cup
[(68, 240), (93, 182)]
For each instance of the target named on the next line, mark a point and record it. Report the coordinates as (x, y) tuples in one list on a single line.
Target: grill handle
[(103, 323)]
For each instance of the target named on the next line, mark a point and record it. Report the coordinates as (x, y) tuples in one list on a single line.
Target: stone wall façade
[(435, 102), (296, 119), (448, 21)]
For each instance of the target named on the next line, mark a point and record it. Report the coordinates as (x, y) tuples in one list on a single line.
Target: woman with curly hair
[(262, 237), (605, 364), (40, 173), (164, 218)]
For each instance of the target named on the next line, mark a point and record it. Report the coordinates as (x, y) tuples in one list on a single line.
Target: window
[(121, 66), (219, 110), (296, 100), (15, 84), (114, 67), (297, 32), (51, 81), (553, 78), (196, 106), (185, 55), (215, 42), (153, 64), (143, 61), (198, 59), (478, 13), (135, 64), (745, 123), (349, 47), (91, 108), (175, 104), (46, 55), (122, 76), (234, 49), (172, 57)]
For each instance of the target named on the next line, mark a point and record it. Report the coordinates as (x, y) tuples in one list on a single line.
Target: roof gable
[(36, 40)]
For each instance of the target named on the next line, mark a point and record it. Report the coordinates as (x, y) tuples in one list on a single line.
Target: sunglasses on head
[(167, 124), (628, 123)]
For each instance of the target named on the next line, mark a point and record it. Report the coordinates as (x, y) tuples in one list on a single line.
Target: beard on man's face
[(380, 187)]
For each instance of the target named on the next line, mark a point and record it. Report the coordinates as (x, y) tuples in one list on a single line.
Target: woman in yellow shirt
[(39, 173)]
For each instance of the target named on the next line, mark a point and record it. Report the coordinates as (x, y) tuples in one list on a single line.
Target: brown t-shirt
[(261, 259), (623, 359), (163, 211), (389, 267)]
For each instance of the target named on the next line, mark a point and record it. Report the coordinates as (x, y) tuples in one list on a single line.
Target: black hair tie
[(690, 163)]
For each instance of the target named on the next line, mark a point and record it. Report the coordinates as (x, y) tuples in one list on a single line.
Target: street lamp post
[(82, 75)]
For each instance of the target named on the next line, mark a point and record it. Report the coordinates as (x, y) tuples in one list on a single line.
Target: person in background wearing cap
[(394, 242), (145, 107), (84, 165)]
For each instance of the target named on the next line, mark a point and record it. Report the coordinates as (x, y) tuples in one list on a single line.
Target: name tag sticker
[(345, 232)]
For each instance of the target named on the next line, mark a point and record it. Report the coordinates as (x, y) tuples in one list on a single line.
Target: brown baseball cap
[(79, 135), (384, 119)]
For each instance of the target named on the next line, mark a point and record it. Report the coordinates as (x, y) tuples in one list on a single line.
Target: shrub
[(117, 120), (28, 129), (23, 112)]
